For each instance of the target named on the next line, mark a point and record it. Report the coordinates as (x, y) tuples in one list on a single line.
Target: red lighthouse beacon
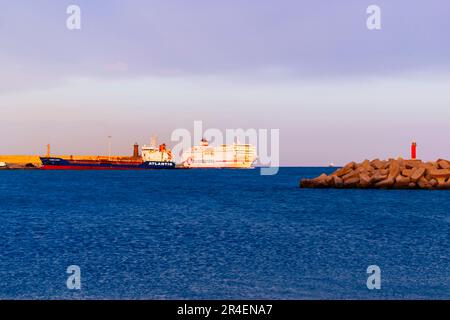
[(414, 150)]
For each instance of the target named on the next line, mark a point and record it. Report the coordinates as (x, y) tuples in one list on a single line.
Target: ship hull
[(61, 164), (220, 165)]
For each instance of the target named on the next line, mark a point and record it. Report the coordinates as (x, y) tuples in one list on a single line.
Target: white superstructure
[(151, 153), (223, 156)]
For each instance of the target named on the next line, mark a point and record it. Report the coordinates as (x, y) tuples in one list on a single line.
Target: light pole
[(109, 147)]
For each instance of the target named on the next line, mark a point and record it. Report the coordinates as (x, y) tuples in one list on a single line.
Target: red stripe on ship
[(50, 167)]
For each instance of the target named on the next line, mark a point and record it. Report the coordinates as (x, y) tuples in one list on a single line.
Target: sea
[(217, 234)]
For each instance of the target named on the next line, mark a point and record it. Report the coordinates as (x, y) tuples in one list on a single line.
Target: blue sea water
[(217, 234)]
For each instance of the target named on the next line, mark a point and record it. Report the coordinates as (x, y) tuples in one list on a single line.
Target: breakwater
[(387, 174)]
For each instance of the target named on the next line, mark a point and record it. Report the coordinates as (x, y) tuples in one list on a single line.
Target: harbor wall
[(16, 159)]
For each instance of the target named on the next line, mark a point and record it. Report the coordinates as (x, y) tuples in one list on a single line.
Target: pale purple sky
[(337, 91)]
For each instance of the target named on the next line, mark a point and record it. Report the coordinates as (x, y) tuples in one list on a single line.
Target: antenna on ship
[(154, 141), (48, 151)]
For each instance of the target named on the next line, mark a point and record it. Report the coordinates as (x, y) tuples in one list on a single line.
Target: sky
[(336, 90)]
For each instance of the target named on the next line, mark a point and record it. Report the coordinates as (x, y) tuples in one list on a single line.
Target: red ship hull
[(83, 168), (61, 164)]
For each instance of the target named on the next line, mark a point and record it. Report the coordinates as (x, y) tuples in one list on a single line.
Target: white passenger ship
[(238, 156)]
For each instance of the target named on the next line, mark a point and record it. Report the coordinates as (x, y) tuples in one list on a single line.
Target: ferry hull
[(221, 165)]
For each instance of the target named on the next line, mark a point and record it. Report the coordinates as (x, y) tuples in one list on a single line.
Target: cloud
[(178, 38)]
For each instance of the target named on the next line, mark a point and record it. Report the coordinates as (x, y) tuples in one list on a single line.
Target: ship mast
[(154, 141)]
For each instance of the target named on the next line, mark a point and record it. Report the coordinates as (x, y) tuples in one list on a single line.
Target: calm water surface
[(217, 234)]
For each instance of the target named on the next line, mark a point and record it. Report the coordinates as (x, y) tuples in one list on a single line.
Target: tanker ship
[(151, 158), (237, 156)]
